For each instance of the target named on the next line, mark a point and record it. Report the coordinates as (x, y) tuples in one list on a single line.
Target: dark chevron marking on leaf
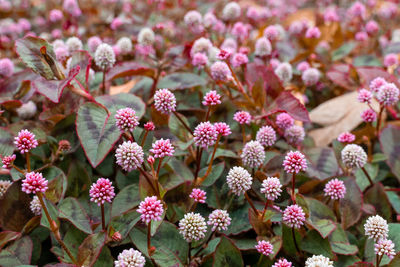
[(323, 163), (71, 210), (6, 142)]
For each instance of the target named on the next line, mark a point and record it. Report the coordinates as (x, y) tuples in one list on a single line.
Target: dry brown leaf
[(302, 14), (123, 88)]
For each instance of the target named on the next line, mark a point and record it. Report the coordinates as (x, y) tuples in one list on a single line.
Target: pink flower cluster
[(34, 182), (242, 117), (126, 119), (212, 98), (162, 148), (25, 141), (294, 162), (294, 216), (151, 209), (205, 134), (8, 161), (264, 247), (102, 191), (198, 195)]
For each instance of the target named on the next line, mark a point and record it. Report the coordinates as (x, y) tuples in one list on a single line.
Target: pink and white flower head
[(219, 219), (357, 10), (62, 53), (372, 27), (35, 206), (231, 11), (387, 10), (253, 154), (242, 117), (239, 59), (346, 137), (71, 7), (364, 96), (24, 24), (331, 15), (222, 128), (368, 115), (102, 191), (116, 23), (162, 148), (377, 83), (55, 15), (335, 189), (201, 45), (391, 60), (294, 216), (388, 94), (8, 161), (284, 72), (192, 227), (354, 156), (6, 67), (274, 63), (271, 33), (93, 42), (212, 98), (34, 182), (284, 121), (149, 126), (164, 101), (150, 160), (239, 180), (198, 195), (303, 66), (282, 263), (151, 209), (226, 51), (126, 119), (295, 162), (262, 47), (129, 156), (310, 76), (199, 60), (209, 20), (295, 134), (130, 258), (264, 247), (376, 228), (193, 19), (313, 32), (220, 71), (205, 134), (318, 260), (25, 141), (361, 36), (385, 247), (272, 188), (104, 57), (266, 135), (240, 30)]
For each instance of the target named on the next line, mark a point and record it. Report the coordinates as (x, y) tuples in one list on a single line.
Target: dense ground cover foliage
[(199, 133)]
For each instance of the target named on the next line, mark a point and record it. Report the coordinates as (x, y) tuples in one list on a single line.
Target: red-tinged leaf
[(6, 142), (362, 264), (290, 104), (71, 210), (126, 69), (323, 163), (8, 236), (14, 86), (351, 205), (83, 60), (227, 254), (377, 197), (272, 83), (181, 80), (389, 139), (18, 253), (367, 74), (340, 75), (57, 184), (90, 249)]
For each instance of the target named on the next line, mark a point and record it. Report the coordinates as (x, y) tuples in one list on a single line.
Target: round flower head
[(55, 15), (388, 94), (209, 20), (284, 120), (335, 189), (201, 45), (368, 115), (220, 71), (222, 128), (266, 135), (294, 162), (376, 228), (146, 37), (193, 18), (33, 183), (242, 117), (354, 156), (102, 191), (164, 101), (239, 180), (376, 83), (346, 137), (271, 33), (126, 119), (205, 134), (364, 96), (162, 148), (93, 42), (272, 188), (294, 216), (129, 156), (295, 134), (192, 227), (104, 56), (318, 261), (219, 219), (284, 72), (264, 247), (385, 247), (130, 258), (149, 126), (6, 67), (212, 98), (151, 209), (303, 66), (25, 141), (198, 195), (372, 27), (313, 32), (4, 185), (357, 10), (231, 11), (199, 60), (35, 206), (8, 161), (262, 47), (239, 59), (74, 44), (282, 263), (62, 53), (331, 15), (58, 43), (310, 76), (390, 60), (125, 45), (253, 154)]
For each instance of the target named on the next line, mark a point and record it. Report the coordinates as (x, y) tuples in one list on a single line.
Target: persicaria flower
[(331, 15), (264, 247), (25, 141), (126, 119), (335, 189), (295, 162), (231, 11), (242, 117), (6, 67), (193, 18), (130, 258), (357, 10), (55, 15), (220, 71), (239, 59), (284, 120), (198, 195), (164, 101), (222, 128), (34, 183), (227, 48), (302, 66), (385, 247), (284, 72), (201, 45), (368, 115), (294, 216), (192, 227), (318, 261), (104, 56), (310, 76), (4, 185), (262, 47), (346, 137), (376, 83), (354, 156), (372, 27), (205, 134), (239, 180), (93, 42), (361, 36), (146, 37), (199, 60), (35, 206), (253, 154), (102, 191), (212, 98), (149, 126), (390, 60), (219, 219), (313, 32), (74, 44), (62, 53), (271, 33), (162, 148), (376, 228), (151, 209), (266, 135), (129, 155), (282, 263), (125, 45), (295, 134), (271, 187), (364, 96), (8, 161), (388, 94)]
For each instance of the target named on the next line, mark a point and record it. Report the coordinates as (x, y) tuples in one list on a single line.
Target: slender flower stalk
[(201, 179), (183, 123), (251, 204)]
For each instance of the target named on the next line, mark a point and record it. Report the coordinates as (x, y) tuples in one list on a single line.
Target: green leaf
[(125, 200), (227, 254), (313, 243), (225, 153), (343, 51), (181, 80), (321, 217), (362, 179), (105, 258), (350, 206), (57, 183), (390, 145), (216, 172), (90, 249), (344, 248), (20, 251), (125, 222), (178, 173), (126, 69), (323, 163), (288, 243), (367, 60), (240, 220), (394, 199), (8, 236), (6, 142), (71, 210), (376, 196)]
